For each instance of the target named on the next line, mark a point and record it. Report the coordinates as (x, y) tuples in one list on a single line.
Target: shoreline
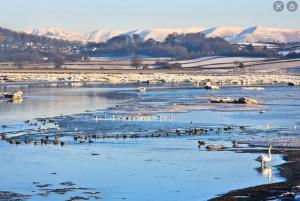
[(222, 78), (286, 190)]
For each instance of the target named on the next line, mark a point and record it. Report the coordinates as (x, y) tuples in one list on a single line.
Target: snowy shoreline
[(196, 78)]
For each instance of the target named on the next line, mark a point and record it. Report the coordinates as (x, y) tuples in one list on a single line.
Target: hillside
[(19, 46), (230, 34), (263, 34)]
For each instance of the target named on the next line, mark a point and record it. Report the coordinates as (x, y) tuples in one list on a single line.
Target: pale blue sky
[(88, 15)]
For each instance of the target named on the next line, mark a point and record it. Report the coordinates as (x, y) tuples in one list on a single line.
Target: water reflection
[(14, 101), (53, 101), (266, 172)]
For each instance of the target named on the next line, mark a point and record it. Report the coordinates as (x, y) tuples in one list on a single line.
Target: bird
[(263, 159)]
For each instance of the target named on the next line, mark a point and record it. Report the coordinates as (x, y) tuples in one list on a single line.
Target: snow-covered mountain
[(161, 34), (57, 33), (231, 34), (101, 36), (265, 34), (224, 32)]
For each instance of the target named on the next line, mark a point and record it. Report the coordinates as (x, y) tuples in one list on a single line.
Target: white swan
[(263, 159)]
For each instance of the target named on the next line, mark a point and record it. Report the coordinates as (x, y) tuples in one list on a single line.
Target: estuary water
[(159, 164)]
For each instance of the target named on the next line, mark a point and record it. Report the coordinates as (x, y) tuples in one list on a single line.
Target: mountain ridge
[(232, 34)]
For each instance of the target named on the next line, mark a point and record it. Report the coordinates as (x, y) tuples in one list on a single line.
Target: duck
[(263, 159), (235, 143), (201, 143)]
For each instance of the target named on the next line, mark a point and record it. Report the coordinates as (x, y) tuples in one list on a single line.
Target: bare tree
[(241, 65), (59, 61), (19, 61), (136, 61)]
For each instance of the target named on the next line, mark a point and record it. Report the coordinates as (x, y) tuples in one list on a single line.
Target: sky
[(89, 15)]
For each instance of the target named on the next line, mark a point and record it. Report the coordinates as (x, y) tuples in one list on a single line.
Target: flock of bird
[(263, 159)]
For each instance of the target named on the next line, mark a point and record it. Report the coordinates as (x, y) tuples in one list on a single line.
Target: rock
[(141, 89), (77, 198), (208, 85), (2, 137), (293, 83), (43, 185), (221, 100), (14, 96), (215, 147), (67, 183), (211, 87), (10, 196), (288, 195), (242, 100)]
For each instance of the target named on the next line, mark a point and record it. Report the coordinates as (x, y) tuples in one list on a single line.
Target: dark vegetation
[(21, 48), (183, 46)]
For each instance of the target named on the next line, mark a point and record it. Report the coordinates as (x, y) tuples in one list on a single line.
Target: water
[(165, 168), (45, 101), (153, 169)]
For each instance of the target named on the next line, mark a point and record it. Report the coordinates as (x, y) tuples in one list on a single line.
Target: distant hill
[(47, 44), (28, 47), (230, 34), (10, 35), (264, 34)]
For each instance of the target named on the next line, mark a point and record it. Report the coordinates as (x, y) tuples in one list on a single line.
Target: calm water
[(50, 101), (168, 168)]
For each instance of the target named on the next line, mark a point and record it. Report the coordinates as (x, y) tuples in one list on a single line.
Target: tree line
[(178, 46)]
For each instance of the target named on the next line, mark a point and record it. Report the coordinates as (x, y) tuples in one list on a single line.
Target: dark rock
[(10, 196), (67, 183)]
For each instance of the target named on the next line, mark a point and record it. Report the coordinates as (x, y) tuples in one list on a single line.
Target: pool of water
[(152, 169)]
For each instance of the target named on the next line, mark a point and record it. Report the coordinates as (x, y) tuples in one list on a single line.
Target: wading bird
[(263, 159)]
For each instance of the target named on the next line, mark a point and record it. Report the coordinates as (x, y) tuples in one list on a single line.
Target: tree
[(19, 61), (241, 65), (136, 61), (176, 65), (238, 64), (59, 61)]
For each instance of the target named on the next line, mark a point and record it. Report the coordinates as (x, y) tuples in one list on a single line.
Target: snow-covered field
[(128, 58), (220, 61)]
